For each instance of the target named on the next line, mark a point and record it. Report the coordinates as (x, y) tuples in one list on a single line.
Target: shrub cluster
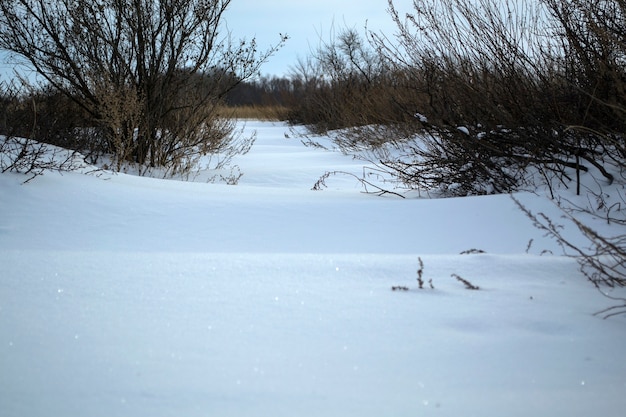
[(29, 123), (344, 83), (492, 88), (476, 97), (143, 81)]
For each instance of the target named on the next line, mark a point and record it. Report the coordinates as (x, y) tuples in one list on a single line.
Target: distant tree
[(263, 91), (149, 74), (344, 83)]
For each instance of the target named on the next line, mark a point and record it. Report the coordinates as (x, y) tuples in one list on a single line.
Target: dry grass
[(270, 112)]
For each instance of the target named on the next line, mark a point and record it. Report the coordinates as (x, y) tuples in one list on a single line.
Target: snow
[(421, 117), (133, 296)]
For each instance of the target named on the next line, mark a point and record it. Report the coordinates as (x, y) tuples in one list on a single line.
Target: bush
[(147, 76), (486, 95), (344, 83), (22, 122), (472, 96)]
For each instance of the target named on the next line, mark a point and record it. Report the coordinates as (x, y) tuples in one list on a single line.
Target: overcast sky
[(305, 21)]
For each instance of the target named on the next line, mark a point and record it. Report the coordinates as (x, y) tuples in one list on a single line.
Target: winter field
[(126, 296)]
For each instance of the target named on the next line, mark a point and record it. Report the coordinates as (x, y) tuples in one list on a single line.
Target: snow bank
[(127, 296)]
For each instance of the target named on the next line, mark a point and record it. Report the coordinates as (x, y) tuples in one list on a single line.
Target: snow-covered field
[(123, 296)]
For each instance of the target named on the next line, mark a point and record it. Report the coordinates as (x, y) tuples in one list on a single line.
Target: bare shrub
[(32, 158), (487, 94), (165, 61), (344, 83), (516, 87), (468, 97), (603, 259), (482, 96), (592, 37), (20, 152)]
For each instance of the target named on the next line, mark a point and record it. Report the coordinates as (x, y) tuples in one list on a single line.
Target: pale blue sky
[(304, 22)]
